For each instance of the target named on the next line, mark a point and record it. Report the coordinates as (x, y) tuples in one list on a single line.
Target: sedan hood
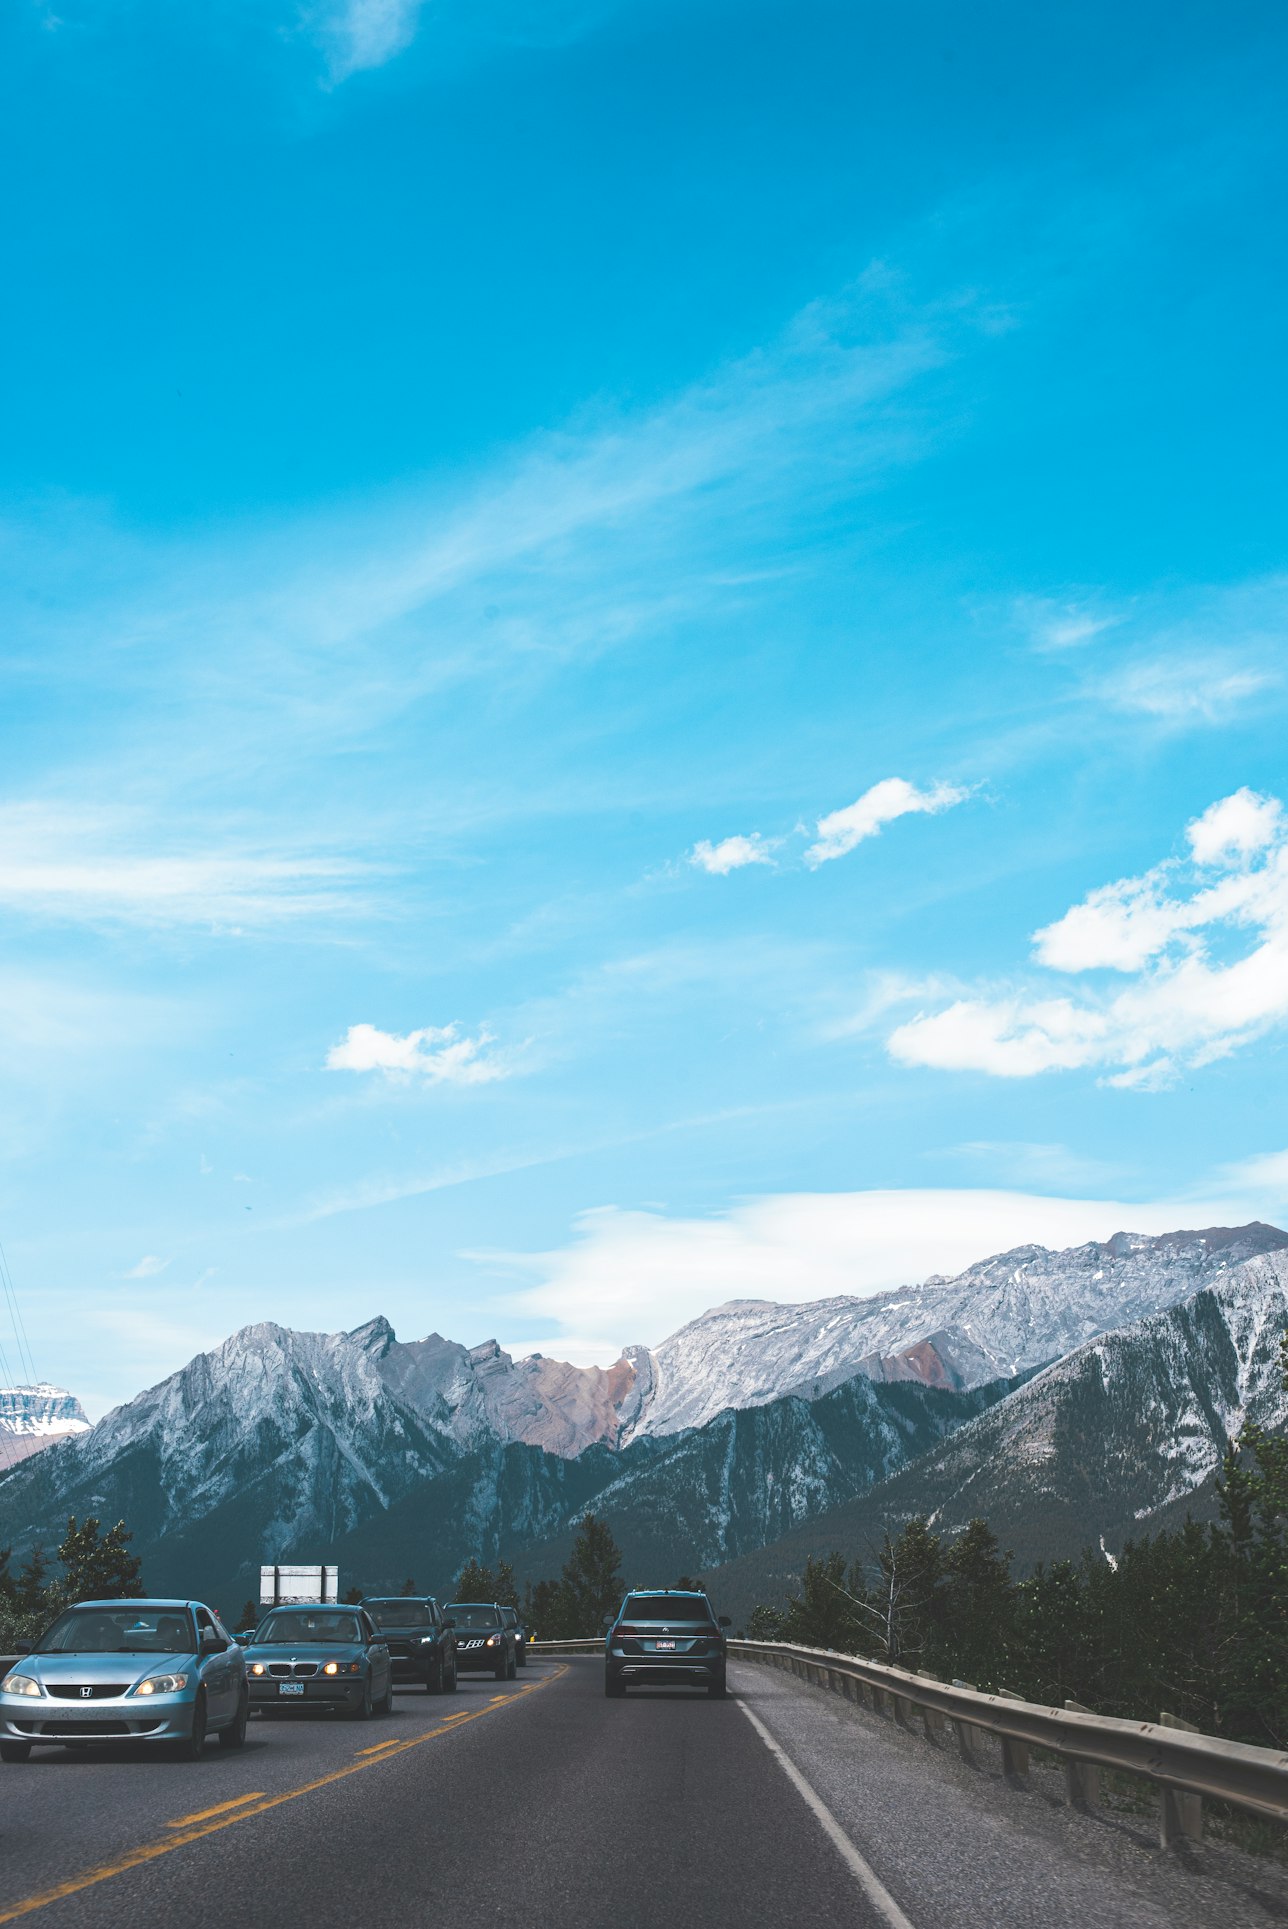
[(318, 1651), (101, 1667)]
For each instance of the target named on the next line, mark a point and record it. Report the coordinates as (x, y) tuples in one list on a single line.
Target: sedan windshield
[(399, 1614), (475, 1617), (666, 1607), (300, 1625), (129, 1630)]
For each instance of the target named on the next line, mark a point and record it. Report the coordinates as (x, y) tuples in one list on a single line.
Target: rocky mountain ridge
[(1123, 1435), (33, 1417)]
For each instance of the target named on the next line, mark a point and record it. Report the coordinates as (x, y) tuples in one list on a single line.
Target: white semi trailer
[(279, 1586)]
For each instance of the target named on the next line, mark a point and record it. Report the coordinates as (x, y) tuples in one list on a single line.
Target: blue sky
[(642, 652)]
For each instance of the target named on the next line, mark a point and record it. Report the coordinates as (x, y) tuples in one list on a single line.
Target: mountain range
[(33, 1417), (1065, 1395)]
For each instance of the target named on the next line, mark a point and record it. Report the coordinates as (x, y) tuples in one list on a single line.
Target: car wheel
[(523, 1657), (716, 1689), (385, 1706), (191, 1747), (234, 1735), (436, 1679), (451, 1686), (15, 1751), (614, 1686), (363, 1711), (502, 1669), (513, 1669)]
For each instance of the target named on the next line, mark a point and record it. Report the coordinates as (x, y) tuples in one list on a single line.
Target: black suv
[(665, 1634), (485, 1638), (420, 1641)]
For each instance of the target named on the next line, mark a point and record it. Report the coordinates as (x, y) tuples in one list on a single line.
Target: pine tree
[(970, 1618), (507, 1593), (408, 1587), (96, 1565), (592, 1577), (249, 1614), (475, 1582)]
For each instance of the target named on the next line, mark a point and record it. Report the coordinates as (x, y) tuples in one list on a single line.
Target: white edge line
[(869, 1881)]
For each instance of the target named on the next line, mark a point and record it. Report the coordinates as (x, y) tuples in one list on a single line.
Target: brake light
[(629, 1632)]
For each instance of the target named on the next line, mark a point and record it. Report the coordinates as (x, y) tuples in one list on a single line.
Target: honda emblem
[(86, 1693)]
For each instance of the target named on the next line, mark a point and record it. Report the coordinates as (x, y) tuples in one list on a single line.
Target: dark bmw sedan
[(665, 1635), (319, 1657)]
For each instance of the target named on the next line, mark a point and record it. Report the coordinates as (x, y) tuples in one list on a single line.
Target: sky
[(642, 656)]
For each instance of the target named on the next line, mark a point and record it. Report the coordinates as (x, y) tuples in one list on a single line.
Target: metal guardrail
[(593, 1645), (1185, 1766)]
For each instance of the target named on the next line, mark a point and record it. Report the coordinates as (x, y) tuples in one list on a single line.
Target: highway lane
[(541, 1803), (538, 1802)]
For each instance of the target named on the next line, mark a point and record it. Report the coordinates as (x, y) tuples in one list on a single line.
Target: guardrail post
[(931, 1716), (1081, 1779), (966, 1731), (1015, 1754), (1180, 1814)]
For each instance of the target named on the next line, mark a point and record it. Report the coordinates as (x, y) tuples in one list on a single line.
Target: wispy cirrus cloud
[(1169, 932), (103, 865), (432, 1055), (360, 34)]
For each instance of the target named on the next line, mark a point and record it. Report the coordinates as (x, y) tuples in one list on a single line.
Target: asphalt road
[(539, 1802)]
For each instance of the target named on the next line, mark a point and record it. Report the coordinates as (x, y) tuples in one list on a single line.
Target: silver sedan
[(113, 1671)]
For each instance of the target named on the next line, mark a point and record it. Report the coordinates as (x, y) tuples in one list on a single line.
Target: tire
[(523, 1655), (234, 1735), (191, 1748), (512, 1670), (15, 1751), (451, 1686), (614, 1687), (501, 1672), (366, 1707), (716, 1689), (385, 1706)]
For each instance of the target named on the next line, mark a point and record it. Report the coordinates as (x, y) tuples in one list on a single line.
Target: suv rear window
[(666, 1607), (399, 1614)]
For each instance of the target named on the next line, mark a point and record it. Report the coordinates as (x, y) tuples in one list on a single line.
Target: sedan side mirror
[(449, 1620), (23, 1647), (211, 1643), (608, 1621), (243, 1640), (724, 1621)]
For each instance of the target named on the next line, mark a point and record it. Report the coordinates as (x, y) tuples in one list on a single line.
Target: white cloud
[(361, 34), (437, 1054), (1054, 626), (841, 830), (732, 853), (1236, 827), (148, 1267), (103, 865), (1185, 1006), (630, 1276), (1194, 689)]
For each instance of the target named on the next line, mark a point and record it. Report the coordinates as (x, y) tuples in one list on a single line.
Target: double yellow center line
[(209, 1821)]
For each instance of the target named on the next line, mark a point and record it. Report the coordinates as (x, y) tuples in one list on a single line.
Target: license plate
[(664, 1644), (290, 1687)]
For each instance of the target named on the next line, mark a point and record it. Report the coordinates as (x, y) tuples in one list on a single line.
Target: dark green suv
[(420, 1641), (665, 1635)]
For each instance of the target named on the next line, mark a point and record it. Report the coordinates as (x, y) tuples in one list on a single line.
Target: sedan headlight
[(342, 1667), (491, 1641), (257, 1667), (162, 1684), (20, 1684)]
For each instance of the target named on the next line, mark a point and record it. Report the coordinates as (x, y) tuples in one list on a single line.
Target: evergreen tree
[(904, 1606), (475, 1582), (766, 1624), (592, 1578), (547, 1613), (970, 1620), (97, 1565), (408, 1587), (507, 1593), (249, 1614), (829, 1610)]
